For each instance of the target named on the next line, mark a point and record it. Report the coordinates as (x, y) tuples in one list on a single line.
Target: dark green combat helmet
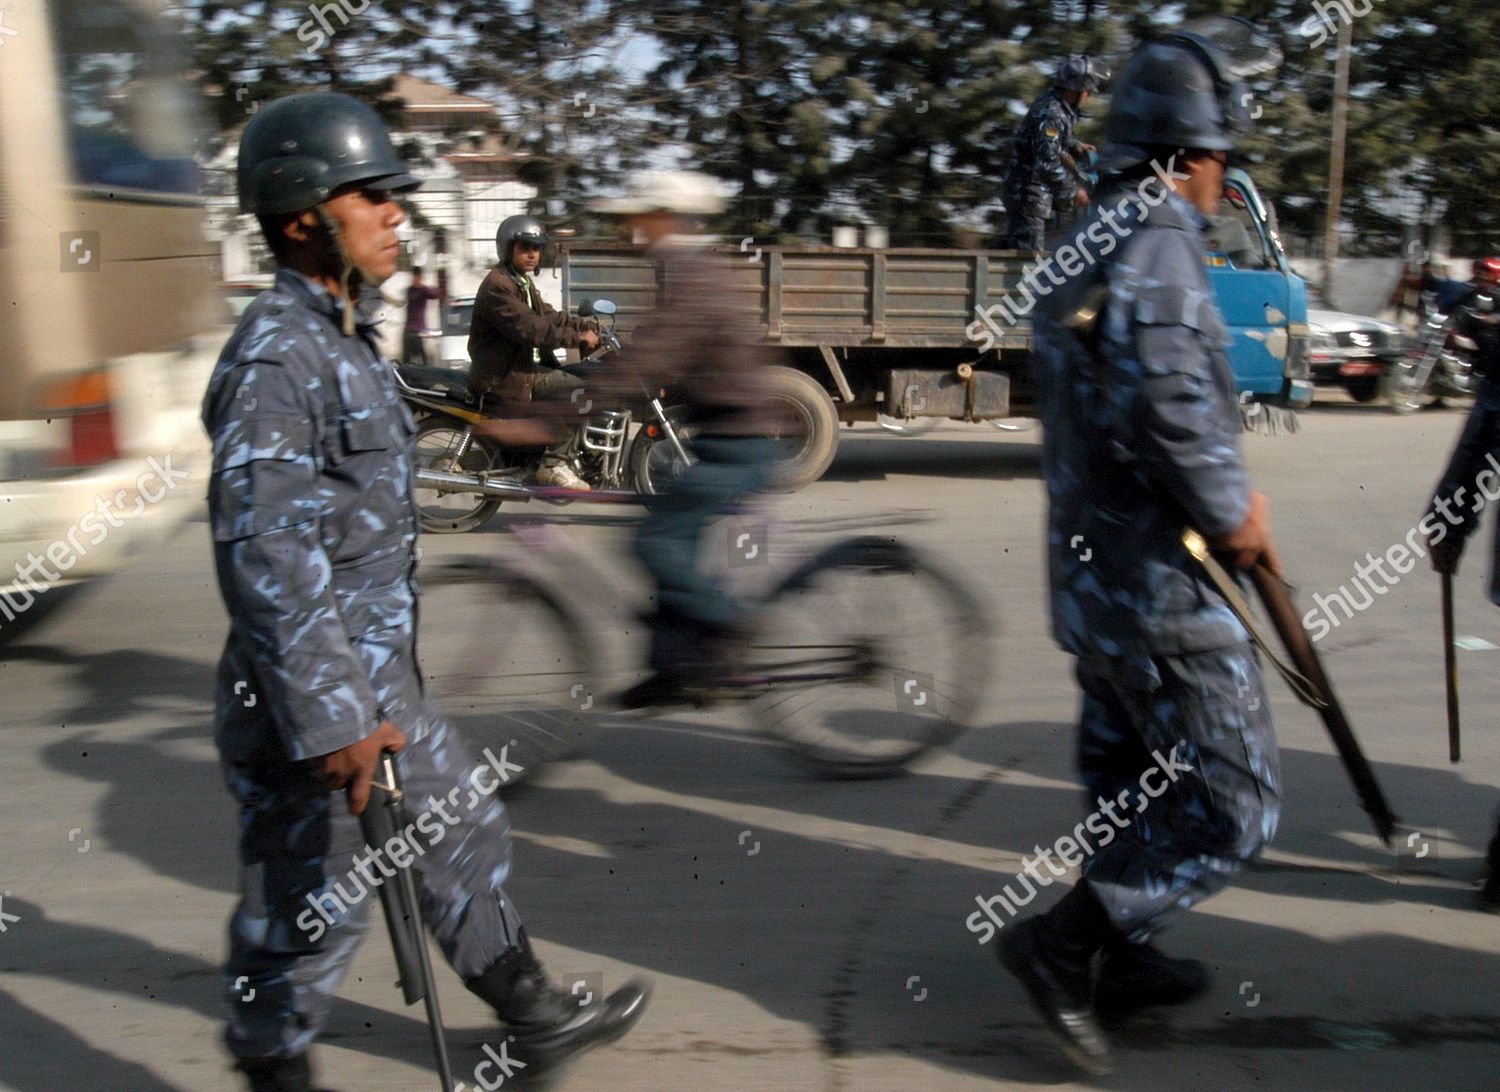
[(297, 150), (1186, 89)]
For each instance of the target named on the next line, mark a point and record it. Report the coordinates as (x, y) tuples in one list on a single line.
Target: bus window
[(130, 120)]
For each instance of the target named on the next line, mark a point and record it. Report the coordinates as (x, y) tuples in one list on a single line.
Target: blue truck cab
[(1263, 301)]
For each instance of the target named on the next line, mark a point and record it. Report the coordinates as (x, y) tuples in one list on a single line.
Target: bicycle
[(865, 654)]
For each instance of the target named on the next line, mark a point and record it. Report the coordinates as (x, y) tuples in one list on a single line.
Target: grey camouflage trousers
[(1186, 843), (305, 903)]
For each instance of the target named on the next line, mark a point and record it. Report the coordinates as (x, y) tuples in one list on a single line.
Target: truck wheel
[(807, 442), (1363, 388)]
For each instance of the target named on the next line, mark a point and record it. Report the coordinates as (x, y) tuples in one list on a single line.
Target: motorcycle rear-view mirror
[(586, 309), (604, 307)]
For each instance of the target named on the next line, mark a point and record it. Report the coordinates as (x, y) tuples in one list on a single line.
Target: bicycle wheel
[(508, 660), (868, 656)]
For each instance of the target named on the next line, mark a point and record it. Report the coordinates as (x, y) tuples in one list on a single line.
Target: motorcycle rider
[(512, 336), (1046, 161), (1477, 315), (314, 537)]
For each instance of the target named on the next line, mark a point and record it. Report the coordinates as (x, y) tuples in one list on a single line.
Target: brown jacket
[(700, 346), (506, 327)]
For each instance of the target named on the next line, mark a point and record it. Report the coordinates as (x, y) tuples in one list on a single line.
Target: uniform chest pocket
[(360, 433)]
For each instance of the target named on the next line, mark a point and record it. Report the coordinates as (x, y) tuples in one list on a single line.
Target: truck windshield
[(1235, 234)]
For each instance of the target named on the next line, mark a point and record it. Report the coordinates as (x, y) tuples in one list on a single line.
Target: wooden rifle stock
[(1283, 615)]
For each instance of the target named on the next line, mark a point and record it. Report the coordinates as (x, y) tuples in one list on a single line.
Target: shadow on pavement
[(826, 922), (108, 962)]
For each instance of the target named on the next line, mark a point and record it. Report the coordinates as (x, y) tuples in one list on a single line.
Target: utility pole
[(1336, 156)]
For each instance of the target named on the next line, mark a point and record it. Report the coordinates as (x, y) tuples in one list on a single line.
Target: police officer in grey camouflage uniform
[(314, 534), (1139, 407), (1045, 157)]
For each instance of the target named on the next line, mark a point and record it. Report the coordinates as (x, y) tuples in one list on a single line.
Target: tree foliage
[(890, 112)]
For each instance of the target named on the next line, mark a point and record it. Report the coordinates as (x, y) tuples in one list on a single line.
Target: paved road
[(834, 956)]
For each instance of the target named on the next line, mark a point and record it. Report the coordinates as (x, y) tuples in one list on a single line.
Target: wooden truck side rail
[(810, 297)]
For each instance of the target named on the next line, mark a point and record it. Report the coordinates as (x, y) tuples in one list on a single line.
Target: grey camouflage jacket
[(314, 530), (1036, 164), (1141, 436)]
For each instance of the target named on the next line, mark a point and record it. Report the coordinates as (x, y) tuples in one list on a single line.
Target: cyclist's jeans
[(691, 599)]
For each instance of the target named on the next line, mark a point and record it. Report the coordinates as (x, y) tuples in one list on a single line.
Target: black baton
[(384, 819), (1450, 668)]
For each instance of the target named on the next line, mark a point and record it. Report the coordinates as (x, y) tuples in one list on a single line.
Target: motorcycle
[(464, 474), (1440, 365)]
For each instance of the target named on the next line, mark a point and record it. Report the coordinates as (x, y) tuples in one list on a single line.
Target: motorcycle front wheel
[(435, 447), (652, 463)]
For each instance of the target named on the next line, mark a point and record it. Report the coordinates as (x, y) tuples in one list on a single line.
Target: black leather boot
[(547, 1026), (1052, 956), (278, 1074), (1138, 976)]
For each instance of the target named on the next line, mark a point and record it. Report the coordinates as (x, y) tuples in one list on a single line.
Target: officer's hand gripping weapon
[(1305, 675), (384, 819)]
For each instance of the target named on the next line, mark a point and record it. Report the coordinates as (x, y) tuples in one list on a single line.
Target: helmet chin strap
[(351, 277)]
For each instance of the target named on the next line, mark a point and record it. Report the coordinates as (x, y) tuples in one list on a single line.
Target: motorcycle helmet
[(518, 229), (1487, 270)]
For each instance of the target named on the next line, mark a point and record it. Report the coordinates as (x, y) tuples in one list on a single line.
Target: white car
[(453, 343), (1353, 351)]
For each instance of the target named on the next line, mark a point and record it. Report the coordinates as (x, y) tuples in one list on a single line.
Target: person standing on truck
[(512, 336), (314, 533), (698, 346), (1047, 162), (1140, 442)]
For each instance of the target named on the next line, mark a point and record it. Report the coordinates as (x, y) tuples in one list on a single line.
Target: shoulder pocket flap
[(1178, 305)]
